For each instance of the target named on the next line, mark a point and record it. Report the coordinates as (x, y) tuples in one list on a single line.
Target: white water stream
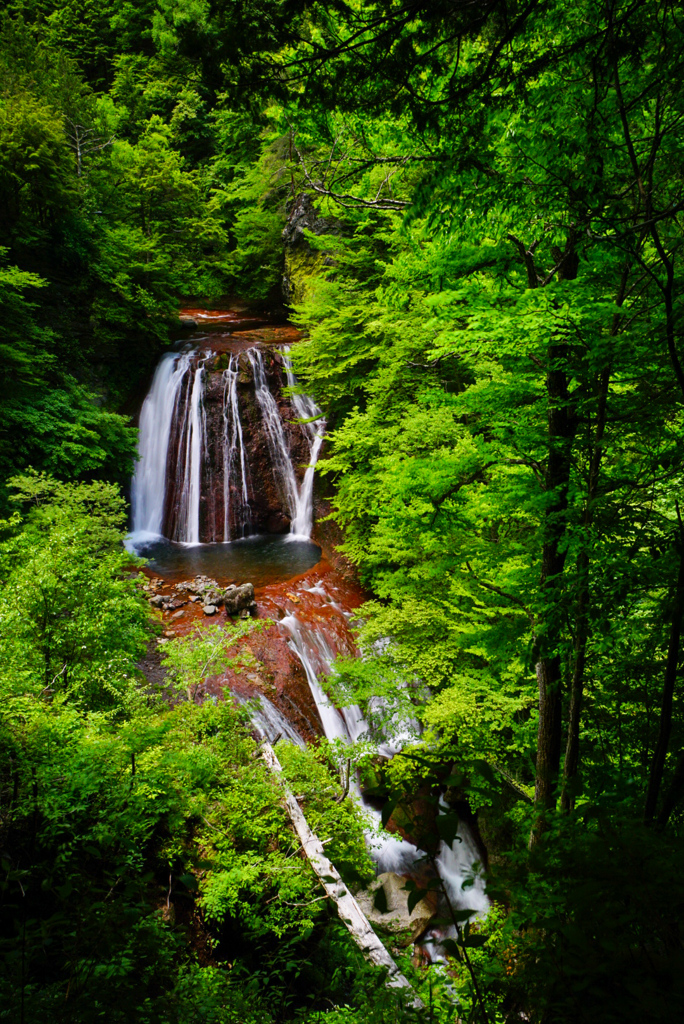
[(148, 488), (234, 452), (313, 426), (455, 862), (271, 723), (193, 444)]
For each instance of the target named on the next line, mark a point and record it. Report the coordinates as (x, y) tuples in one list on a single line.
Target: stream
[(224, 488)]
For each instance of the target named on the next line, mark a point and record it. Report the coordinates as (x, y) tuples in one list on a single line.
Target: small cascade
[(234, 461), (455, 865), (316, 656), (313, 425), (389, 852), (270, 723), (148, 487)]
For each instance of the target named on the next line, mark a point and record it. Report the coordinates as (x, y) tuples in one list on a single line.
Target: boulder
[(235, 599), (396, 918)]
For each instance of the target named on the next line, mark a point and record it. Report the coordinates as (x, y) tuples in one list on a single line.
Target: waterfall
[(193, 445), (192, 481), (455, 862), (314, 427), (389, 852), (193, 455), (148, 487), (233, 453)]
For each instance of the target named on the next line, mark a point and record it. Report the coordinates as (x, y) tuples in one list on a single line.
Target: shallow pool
[(261, 559)]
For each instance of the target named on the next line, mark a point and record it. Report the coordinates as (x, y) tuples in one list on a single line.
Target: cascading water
[(279, 450), (192, 482), (234, 455), (270, 723), (389, 852), (313, 425), (455, 862), (148, 487)]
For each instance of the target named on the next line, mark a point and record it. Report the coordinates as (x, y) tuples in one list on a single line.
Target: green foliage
[(337, 822), (492, 316), (73, 623), (191, 659), (603, 890), (121, 814)]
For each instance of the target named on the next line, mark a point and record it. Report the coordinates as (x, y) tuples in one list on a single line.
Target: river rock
[(158, 601), (209, 609), (397, 918), (239, 598)]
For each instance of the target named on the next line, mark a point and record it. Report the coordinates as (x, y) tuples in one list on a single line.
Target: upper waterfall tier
[(221, 452)]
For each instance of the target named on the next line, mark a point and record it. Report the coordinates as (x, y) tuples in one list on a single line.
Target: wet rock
[(209, 609), (301, 261), (278, 522), (396, 918), (245, 375), (239, 599), (177, 615), (157, 601)]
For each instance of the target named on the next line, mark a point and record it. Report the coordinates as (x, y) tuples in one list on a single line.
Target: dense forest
[(472, 212)]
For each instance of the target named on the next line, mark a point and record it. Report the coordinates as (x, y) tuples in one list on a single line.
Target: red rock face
[(322, 600)]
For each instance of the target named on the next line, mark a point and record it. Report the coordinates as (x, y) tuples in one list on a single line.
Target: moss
[(301, 264)]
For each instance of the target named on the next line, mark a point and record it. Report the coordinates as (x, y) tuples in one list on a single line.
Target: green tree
[(73, 623)]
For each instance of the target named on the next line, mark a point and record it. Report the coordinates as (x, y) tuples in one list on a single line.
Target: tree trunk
[(349, 910), (571, 763), (562, 426), (665, 726), (674, 793)]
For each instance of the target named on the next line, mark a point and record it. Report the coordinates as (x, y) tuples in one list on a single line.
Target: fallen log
[(349, 910)]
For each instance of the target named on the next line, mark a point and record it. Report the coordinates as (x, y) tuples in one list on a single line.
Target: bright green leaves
[(209, 651), (72, 624)]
